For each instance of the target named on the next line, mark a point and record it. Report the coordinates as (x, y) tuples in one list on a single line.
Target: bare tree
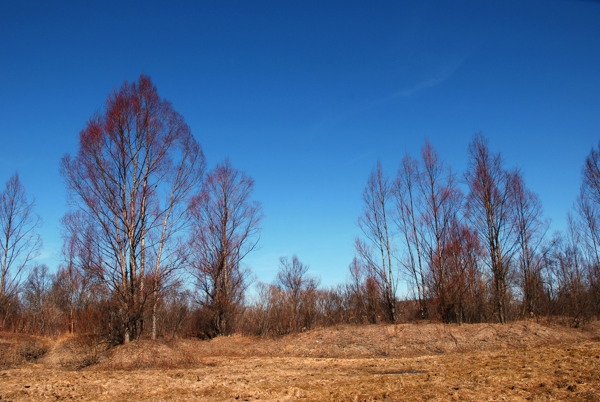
[(74, 279), (297, 285), (19, 241), (36, 299), (355, 294), (461, 291), (530, 230), (407, 200), (588, 214), (588, 209), (591, 175), (588, 205), (442, 202), (225, 228), (69, 275), (567, 282), (489, 206), (291, 278), (376, 251), (136, 165), (428, 201), (167, 246)]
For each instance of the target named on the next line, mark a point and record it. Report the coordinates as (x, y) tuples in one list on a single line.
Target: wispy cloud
[(365, 155), (444, 74)]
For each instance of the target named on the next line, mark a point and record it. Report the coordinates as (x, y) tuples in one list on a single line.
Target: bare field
[(424, 361)]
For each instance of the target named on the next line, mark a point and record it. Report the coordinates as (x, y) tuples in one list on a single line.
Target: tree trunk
[(154, 329)]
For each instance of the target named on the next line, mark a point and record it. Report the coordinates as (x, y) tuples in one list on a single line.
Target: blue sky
[(306, 96)]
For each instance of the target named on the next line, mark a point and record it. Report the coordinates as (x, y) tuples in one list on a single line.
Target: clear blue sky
[(306, 96)]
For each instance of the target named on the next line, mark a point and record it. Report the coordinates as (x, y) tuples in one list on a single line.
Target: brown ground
[(409, 361)]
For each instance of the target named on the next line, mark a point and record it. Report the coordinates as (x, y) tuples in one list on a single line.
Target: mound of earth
[(347, 341)]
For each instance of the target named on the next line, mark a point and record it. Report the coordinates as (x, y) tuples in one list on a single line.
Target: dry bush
[(17, 349), (32, 350), (174, 313), (77, 351)]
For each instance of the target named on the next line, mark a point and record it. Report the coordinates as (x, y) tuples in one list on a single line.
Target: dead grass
[(425, 361), (16, 349), (75, 352)]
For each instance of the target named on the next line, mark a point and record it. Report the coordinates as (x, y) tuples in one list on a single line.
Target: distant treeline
[(154, 245)]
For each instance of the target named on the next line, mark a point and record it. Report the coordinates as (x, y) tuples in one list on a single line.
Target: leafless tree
[(441, 203), (591, 175), (460, 294), (69, 275), (225, 228), (407, 199), (530, 229), (567, 283), (19, 241), (136, 165), (588, 214), (588, 206), (364, 293), (298, 287), (428, 202), (73, 283), (588, 209), (489, 206), (268, 315), (376, 248), (174, 310), (355, 292), (42, 317)]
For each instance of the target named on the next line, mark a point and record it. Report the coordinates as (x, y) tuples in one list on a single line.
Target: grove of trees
[(483, 255), (154, 244)]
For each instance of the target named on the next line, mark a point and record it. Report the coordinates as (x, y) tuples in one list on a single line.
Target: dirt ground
[(409, 362)]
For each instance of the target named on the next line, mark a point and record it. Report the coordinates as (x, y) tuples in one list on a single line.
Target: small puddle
[(403, 372)]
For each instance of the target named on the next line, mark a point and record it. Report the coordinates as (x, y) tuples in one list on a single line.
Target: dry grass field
[(518, 361)]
